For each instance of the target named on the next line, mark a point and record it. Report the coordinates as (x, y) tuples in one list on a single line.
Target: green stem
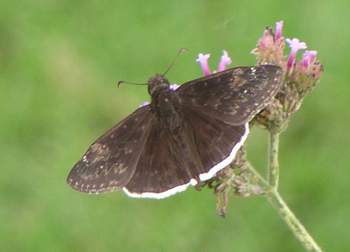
[(286, 213), (273, 167), (292, 221)]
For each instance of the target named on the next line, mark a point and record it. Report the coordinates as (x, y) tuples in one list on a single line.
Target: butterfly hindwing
[(234, 95), (110, 161), (216, 142), (173, 160)]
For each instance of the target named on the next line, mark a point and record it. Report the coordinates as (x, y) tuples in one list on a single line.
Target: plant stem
[(286, 213), (273, 166), (291, 220)]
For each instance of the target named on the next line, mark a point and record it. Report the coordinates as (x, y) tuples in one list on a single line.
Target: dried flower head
[(301, 76), (270, 46)]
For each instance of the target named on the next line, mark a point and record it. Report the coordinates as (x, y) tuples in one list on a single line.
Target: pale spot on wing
[(119, 168), (237, 71), (127, 151), (98, 152)]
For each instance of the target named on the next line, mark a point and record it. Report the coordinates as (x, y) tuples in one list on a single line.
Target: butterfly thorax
[(165, 102)]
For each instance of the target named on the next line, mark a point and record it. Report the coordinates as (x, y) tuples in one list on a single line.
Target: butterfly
[(181, 138)]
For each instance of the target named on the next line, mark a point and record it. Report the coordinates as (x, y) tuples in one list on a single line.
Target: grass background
[(59, 62)]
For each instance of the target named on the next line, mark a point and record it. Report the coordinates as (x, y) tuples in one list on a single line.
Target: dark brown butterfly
[(182, 137)]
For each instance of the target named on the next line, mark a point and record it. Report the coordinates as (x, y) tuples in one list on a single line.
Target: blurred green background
[(59, 62)]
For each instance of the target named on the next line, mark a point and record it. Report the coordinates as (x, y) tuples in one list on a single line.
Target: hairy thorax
[(166, 105)]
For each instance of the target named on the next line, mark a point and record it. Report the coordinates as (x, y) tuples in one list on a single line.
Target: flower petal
[(203, 62), (224, 61), (266, 41), (278, 30), (173, 87), (295, 45), (308, 58), (145, 103)]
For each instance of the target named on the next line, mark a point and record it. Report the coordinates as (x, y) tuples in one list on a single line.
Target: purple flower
[(308, 58), (203, 62), (266, 40), (202, 59), (278, 30), (225, 60), (173, 87), (295, 45), (145, 103)]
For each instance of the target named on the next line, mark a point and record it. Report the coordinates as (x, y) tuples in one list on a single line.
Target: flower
[(309, 57), (225, 60), (309, 68), (173, 87), (301, 75), (270, 46), (295, 45), (202, 59), (145, 103), (266, 40), (203, 62), (278, 30)]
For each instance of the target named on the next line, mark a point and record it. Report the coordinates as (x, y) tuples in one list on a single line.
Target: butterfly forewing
[(234, 95), (111, 160)]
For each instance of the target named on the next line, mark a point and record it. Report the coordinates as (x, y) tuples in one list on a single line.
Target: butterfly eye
[(157, 83)]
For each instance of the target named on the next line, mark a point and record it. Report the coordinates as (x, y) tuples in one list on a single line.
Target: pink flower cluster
[(270, 50)]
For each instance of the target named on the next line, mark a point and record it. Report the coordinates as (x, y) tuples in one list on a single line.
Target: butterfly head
[(157, 83)]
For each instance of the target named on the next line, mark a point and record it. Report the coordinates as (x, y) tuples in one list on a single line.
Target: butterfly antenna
[(128, 82), (181, 50)]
